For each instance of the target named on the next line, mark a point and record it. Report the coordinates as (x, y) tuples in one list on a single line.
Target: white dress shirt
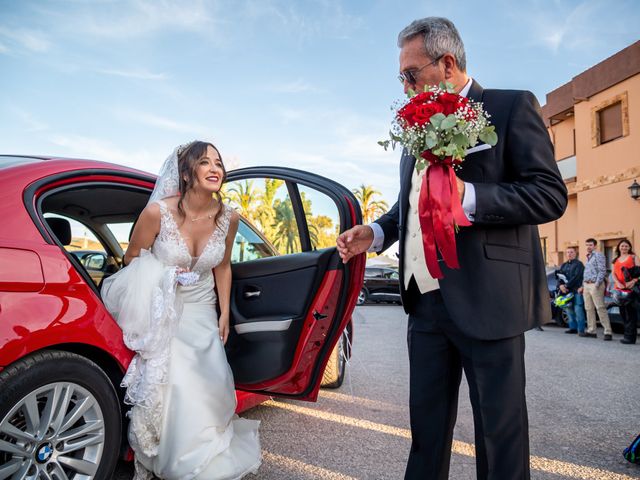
[(414, 259)]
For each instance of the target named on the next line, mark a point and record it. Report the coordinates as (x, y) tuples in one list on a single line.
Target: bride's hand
[(223, 326)]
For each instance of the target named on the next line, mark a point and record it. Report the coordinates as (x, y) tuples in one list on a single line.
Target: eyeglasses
[(409, 76)]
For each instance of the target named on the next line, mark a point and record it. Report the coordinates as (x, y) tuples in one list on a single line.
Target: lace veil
[(168, 183)]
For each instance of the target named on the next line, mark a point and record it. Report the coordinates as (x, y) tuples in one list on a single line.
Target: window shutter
[(610, 122)]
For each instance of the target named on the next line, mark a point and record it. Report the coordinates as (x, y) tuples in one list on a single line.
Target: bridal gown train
[(183, 423)]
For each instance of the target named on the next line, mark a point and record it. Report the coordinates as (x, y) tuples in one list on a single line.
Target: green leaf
[(384, 144), (451, 149), (489, 136), (411, 93), (448, 87), (448, 122), (420, 165), (461, 140), (430, 140), (437, 119), (439, 152)]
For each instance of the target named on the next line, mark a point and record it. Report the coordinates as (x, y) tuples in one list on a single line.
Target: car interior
[(265, 330)]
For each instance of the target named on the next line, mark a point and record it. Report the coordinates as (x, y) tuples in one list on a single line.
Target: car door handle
[(252, 294)]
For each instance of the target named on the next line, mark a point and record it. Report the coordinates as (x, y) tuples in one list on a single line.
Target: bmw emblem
[(44, 453)]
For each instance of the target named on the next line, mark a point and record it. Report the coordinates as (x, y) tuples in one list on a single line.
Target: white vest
[(414, 261)]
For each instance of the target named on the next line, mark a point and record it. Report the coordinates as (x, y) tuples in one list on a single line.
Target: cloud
[(98, 149), (298, 86), (31, 123), (136, 74), (581, 26), (136, 18), (3, 48), (31, 40), (157, 121), (289, 115), (325, 18)]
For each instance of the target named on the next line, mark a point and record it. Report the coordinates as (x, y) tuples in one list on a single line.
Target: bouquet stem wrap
[(440, 211)]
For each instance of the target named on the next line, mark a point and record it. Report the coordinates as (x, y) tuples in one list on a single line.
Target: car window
[(248, 245), (372, 272), (121, 232), (392, 275), (82, 238), (323, 218), (265, 204)]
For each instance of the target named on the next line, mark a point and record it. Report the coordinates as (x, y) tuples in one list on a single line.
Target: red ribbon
[(440, 210)]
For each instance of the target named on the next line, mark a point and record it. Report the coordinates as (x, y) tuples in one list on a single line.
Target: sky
[(304, 84)]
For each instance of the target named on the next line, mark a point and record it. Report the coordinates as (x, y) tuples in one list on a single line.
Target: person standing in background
[(573, 269), (625, 258), (595, 271)]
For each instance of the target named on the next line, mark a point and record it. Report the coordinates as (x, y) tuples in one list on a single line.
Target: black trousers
[(438, 353), (630, 314)]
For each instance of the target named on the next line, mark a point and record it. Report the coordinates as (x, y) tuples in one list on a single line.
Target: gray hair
[(440, 37)]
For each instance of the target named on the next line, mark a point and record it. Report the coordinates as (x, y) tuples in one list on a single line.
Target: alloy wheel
[(362, 297), (56, 432)]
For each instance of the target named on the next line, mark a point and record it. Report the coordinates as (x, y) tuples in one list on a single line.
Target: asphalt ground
[(583, 399)]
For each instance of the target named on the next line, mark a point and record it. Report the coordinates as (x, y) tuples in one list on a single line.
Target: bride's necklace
[(195, 219)]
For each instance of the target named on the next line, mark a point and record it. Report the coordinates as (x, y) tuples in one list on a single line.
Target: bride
[(179, 383)]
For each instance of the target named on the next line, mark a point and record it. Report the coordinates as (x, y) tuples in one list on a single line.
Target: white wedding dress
[(183, 423)]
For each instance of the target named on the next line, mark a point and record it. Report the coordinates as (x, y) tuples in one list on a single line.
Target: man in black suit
[(473, 319)]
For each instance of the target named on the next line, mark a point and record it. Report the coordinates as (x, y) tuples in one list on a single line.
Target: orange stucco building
[(594, 124)]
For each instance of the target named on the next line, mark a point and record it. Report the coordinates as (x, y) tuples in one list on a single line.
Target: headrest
[(61, 228)]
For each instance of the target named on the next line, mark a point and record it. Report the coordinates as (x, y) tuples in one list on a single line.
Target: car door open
[(289, 310)]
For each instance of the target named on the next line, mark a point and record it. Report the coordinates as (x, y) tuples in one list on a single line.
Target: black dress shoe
[(587, 335), (626, 341), (571, 330), (540, 329), (607, 337)]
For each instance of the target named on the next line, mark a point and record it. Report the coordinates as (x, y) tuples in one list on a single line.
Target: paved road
[(584, 408)]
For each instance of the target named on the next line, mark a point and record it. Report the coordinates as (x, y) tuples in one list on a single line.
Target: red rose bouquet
[(437, 127)]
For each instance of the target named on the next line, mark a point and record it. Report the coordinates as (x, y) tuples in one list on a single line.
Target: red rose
[(425, 111), (423, 97), (449, 102), (407, 113)]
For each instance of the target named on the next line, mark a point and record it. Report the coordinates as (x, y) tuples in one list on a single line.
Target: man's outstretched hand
[(354, 241)]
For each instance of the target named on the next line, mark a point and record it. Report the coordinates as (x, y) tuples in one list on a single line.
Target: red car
[(62, 357)]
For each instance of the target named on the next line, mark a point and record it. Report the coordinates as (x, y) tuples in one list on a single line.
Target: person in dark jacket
[(572, 270)]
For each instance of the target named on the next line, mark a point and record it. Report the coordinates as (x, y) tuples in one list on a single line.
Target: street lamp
[(634, 190)]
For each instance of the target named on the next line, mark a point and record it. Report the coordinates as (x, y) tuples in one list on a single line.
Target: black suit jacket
[(500, 290)]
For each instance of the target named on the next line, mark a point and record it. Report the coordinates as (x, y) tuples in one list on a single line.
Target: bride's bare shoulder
[(151, 212)]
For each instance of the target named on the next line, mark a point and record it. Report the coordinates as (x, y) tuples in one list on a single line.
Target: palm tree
[(285, 237), (371, 208), (266, 210), (246, 199)]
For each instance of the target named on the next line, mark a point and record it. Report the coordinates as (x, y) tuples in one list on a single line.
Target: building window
[(610, 120)]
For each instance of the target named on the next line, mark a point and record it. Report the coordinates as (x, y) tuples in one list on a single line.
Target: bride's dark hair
[(187, 161)]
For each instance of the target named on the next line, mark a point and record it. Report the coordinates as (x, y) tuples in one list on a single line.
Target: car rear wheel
[(336, 366), (59, 419), (362, 296)]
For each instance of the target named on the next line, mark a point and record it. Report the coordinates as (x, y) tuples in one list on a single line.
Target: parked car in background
[(559, 315), (62, 355), (381, 284)]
